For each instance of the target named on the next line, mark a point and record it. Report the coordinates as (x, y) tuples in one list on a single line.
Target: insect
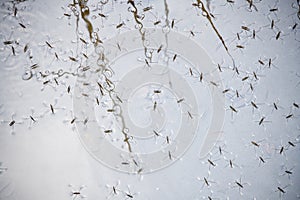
[(192, 33), (281, 190), (294, 26), (251, 4), (261, 121), (236, 70), (119, 99), (85, 121), (34, 66), (125, 163), (87, 56), (261, 62), (170, 155), (255, 76), (256, 144), (229, 2), (55, 80), (219, 67), (12, 123), (156, 133), (254, 105), (108, 131), (49, 45), (275, 106), (83, 41), (46, 82), (180, 100), (211, 163), (52, 109), (251, 87), (190, 114), (110, 110), (147, 8), (73, 120), (32, 118), (278, 35), (159, 48), (129, 195), (108, 82), (270, 62), (281, 149), (295, 105), (168, 139), (154, 105), (261, 160), (8, 42), (205, 181), (231, 164), (233, 109), (289, 116), (101, 88), (239, 184), (273, 9), (174, 57), (214, 83), (191, 71), (15, 11), (225, 91), (69, 89), (254, 34), (220, 150), (245, 78), (156, 22), (237, 93), (126, 140), (73, 59), (102, 15), (25, 48), (172, 23), (120, 25), (272, 24), (245, 28), (201, 77), (288, 172), (147, 63), (77, 193), (291, 144), (114, 190), (13, 50), (22, 25), (238, 36)]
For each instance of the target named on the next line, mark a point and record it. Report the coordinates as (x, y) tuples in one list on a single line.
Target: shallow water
[(149, 100)]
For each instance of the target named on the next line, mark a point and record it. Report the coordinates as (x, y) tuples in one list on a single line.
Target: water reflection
[(54, 53)]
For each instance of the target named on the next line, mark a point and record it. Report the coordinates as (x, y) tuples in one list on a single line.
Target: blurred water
[(61, 138)]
